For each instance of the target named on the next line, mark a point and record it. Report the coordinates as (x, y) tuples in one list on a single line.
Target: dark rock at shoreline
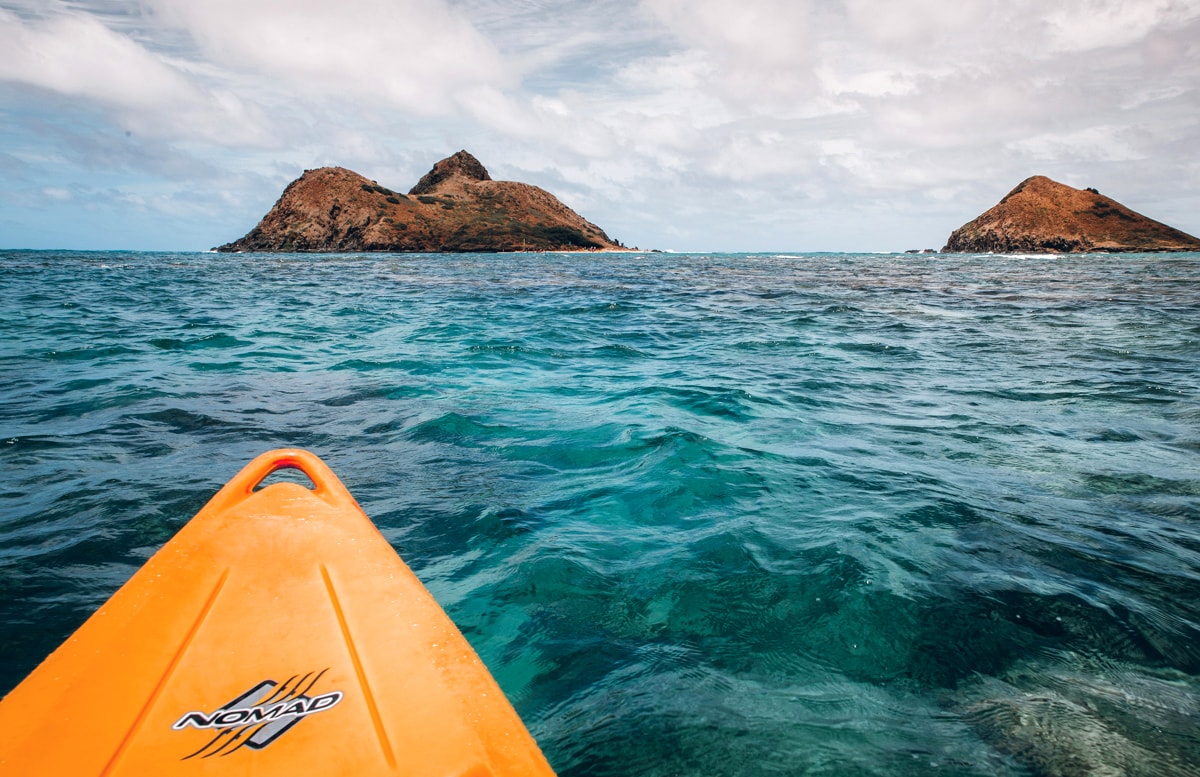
[(455, 207), (1042, 215)]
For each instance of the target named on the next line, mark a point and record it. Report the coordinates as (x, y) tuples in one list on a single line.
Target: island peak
[(1043, 215), (458, 165)]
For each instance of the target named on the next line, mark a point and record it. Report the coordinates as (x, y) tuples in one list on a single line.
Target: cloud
[(1095, 143), (77, 56), (750, 33), (848, 104), (1082, 25), (12, 166), (915, 22), (411, 54), (760, 52), (252, 73)]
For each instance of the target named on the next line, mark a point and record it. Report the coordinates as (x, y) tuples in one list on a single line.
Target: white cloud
[(411, 54), (749, 33), (871, 83), (916, 23), (77, 56), (1097, 143), (252, 73), (845, 106), (1081, 25), (761, 51)]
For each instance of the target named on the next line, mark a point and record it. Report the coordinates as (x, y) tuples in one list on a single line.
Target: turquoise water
[(700, 514)]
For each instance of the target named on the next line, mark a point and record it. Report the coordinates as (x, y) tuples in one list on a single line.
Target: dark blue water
[(719, 515)]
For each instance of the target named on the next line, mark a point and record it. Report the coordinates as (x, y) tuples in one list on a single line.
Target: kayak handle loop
[(326, 484)]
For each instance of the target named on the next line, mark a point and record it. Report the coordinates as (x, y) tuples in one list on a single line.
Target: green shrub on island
[(375, 188), (562, 235), (517, 236)]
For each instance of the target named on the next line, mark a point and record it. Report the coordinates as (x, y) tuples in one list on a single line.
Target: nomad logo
[(259, 716)]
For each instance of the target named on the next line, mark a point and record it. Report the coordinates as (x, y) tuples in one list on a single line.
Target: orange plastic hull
[(277, 633)]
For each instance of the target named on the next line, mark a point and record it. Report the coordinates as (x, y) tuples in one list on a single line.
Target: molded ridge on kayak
[(276, 633)]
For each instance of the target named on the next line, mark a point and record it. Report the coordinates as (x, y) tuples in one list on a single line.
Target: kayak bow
[(276, 633)]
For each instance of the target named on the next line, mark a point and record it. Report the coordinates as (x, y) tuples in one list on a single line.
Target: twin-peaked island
[(457, 207)]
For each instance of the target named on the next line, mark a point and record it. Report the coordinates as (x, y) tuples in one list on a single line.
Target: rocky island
[(455, 207), (1042, 215)]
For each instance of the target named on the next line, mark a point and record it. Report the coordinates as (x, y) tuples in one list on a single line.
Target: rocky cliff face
[(1042, 215), (456, 207)]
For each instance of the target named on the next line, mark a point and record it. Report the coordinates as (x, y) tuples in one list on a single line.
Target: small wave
[(375, 394), (215, 340), (413, 367), (618, 351), (185, 421), (1140, 484), (702, 401), (94, 353), (881, 349), (458, 429)]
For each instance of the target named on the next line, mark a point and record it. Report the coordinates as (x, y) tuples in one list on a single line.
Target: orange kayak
[(277, 634)]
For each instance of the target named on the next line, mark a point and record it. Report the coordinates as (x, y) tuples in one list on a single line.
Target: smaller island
[(455, 207), (1044, 216)]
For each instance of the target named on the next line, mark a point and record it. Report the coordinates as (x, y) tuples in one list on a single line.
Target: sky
[(687, 125)]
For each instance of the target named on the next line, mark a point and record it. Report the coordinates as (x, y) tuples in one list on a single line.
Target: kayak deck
[(277, 632)]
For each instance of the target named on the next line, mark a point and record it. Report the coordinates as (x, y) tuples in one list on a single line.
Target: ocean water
[(700, 514)]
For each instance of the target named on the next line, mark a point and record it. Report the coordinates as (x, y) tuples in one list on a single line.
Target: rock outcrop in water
[(455, 207), (1042, 215)]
